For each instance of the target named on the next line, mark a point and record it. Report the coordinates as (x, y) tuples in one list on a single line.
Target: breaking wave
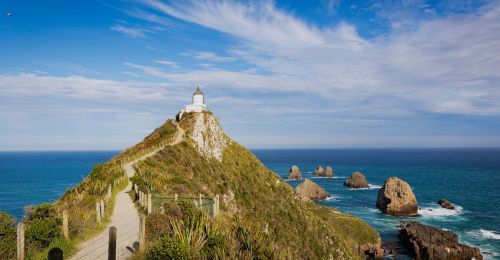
[(482, 234), (438, 211)]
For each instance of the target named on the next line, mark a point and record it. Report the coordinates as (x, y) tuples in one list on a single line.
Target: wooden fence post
[(103, 210), (55, 254), (215, 206), (142, 232), (20, 241), (98, 211), (175, 197), (150, 203), (65, 224), (201, 200), (112, 244)]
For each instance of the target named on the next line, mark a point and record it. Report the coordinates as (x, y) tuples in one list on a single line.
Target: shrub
[(216, 246), (7, 236), (172, 209), (168, 248), (190, 213), (157, 226), (42, 226)]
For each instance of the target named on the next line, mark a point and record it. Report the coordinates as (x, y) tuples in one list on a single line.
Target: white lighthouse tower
[(198, 104)]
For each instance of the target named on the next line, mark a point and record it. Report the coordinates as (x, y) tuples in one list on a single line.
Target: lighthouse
[(197, 103)]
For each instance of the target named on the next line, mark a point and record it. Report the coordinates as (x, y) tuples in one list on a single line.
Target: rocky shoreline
[(396, 198)]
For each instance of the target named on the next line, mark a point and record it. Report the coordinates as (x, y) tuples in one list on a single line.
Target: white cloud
[(443, 65), (172, 64), (209, 56), (130, 31)]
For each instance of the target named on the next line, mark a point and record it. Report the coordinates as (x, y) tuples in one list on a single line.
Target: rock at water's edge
[(372, 250), (319, 171), (396, 198), (328, 172), (356, 180), (428, 242), (294, 173), (445, 204), (308, 190)]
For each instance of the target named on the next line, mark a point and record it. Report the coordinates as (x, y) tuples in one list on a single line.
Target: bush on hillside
[(42, 226), (190, 213), (157, 226), (172, 209), (7, 236)]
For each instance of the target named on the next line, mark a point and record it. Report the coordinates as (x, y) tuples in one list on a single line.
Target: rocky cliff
[(261, 216)]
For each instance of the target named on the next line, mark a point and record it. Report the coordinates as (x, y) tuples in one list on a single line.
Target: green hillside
[(261, 217)]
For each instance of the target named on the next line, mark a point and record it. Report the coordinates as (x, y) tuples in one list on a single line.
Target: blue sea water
[(469, 178), (30, 178)]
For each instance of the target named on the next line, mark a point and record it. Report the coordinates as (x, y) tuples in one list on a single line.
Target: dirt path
[(125, 218)]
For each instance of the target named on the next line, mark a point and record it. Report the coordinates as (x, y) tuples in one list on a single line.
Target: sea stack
[(446, 204), (294, 173), (428, 242), (396, 198), (308, 190), (319, 171), (356, 181), (328, 172)]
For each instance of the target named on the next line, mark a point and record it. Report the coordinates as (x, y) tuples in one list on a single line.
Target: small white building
[(197, 105)]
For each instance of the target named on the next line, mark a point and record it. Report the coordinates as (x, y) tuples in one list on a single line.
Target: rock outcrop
[(308, 190), (356, 180), (294, 173), (328, 172), (374, 250), (428, 242), (319, 171), (396, 198), (445, 204), (208, 136)]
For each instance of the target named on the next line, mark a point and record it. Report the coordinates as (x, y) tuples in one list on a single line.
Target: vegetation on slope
[(262, 218)]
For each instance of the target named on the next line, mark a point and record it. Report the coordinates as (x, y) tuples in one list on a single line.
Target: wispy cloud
[(172, 64), (443, 65), (209, 56), (131, 31)]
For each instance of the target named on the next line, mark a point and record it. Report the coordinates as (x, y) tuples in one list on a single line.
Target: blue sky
[(84, 75)]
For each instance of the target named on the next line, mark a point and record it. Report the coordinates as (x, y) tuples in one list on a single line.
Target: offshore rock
[(356, 180), (445, 204), (396, 198), (294, 173), (428, 242), (328, 172), (319, 171), (308, 190)]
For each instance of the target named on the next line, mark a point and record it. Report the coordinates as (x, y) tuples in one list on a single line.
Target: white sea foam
[(334, 177), (332, 197), (370, 187), (482, 234), (438, 211), (292, 179)]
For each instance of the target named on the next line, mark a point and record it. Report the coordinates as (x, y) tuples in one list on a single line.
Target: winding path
[(125, 218)]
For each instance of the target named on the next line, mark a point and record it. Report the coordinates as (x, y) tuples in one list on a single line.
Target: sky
[(101, 75)]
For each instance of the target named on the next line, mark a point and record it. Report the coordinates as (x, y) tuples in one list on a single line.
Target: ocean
[(469, 178)]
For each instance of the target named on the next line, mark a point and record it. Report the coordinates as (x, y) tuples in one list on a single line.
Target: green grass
[(262, 219)]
